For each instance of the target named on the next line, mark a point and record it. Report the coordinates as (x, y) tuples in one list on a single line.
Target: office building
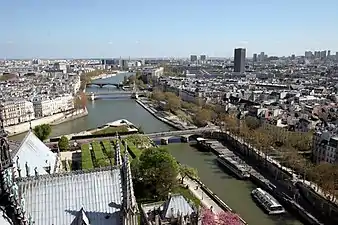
[(328, 53), (203, 58), (123, 64), (254, 57), (261, 57), (308, 54), (193, 58), (323, 54), (239, 60), (337, 56)]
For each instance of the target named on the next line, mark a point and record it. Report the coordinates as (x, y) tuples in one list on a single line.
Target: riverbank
[(55, 119), (171, 121)]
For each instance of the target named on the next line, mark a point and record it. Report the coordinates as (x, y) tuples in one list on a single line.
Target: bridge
[(183, 134), (101, 85), (115, 94)]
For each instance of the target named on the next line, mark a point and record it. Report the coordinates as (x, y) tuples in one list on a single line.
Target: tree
[(202, 117), (158, 95), (252, 122), (63, 143), (228, 218), (157, 172), (186, 170), (207, 217), (42, 131), (221, 218), (173, 102)]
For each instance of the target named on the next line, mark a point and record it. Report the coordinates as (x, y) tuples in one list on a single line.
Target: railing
[(180, 132)]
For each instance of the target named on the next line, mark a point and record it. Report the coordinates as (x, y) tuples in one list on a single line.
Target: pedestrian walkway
[(196, 190)]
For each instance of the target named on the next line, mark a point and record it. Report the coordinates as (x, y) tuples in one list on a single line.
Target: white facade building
[(46, 106), (15, 112)]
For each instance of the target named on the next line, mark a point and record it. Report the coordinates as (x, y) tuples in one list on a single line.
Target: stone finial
[(27, 169), (36, 171)]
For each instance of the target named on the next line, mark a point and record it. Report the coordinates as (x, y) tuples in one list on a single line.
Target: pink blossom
[(221, 218), (228, 218)]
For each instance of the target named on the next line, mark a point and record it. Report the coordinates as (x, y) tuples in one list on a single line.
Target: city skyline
[(104, 29)]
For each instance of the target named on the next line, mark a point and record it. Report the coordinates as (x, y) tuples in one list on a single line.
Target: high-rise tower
[(239, 60)]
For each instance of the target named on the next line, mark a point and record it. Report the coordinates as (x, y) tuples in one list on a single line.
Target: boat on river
[(267, 202), (235, 165)]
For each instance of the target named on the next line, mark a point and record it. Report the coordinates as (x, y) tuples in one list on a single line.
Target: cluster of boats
[(241, 170)]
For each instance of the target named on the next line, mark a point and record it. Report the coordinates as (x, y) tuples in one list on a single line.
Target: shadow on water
[(234, 192)]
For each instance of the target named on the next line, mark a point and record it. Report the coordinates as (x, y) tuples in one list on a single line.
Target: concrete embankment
[(56, 118), (164, 120), (72, 116)]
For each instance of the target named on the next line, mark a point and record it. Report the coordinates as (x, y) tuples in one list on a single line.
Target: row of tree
[(273, 140), (325, 175)]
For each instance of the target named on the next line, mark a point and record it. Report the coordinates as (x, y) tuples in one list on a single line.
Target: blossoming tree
[(221, 218)]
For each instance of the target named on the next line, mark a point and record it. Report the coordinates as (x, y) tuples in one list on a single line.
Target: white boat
[(242, 171), (267, 202)]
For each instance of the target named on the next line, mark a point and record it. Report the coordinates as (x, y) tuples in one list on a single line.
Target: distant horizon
[(333, 53), (103, 28)]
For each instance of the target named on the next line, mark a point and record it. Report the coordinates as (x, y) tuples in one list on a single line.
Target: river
[(108, 110), (234, 192)]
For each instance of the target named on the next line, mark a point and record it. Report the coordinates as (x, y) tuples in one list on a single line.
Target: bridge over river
[(102, 84)]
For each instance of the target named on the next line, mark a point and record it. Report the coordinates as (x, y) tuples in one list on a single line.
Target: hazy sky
[(150, 28)]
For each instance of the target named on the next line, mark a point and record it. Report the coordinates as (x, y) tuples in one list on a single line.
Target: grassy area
[(140, 141), (187, 194), (100, 159), (135, 151), (109, 151), (112, 130), (86, 157)]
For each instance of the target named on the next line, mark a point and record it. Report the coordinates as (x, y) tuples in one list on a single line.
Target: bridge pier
[(164, 141), (185, 138)]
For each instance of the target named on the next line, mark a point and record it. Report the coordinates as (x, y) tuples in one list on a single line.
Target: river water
[(234, 192), (107, 110)]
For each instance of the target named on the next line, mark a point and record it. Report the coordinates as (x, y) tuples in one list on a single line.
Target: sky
[(159, 28)]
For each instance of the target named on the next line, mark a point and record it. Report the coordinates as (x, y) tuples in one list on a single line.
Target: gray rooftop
[(57, 199)]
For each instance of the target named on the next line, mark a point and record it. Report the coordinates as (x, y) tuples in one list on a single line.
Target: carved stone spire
[(118, 159), (129, 201)]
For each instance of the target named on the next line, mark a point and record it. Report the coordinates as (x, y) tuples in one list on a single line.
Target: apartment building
[(49, 106), (15, 112), (325, 147)]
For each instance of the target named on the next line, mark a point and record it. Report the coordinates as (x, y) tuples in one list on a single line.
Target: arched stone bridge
[(183, 134), (118, 85)]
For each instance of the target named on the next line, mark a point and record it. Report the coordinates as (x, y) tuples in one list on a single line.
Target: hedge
[(86, 157), (100, 159), (108, 149), (133, 150)]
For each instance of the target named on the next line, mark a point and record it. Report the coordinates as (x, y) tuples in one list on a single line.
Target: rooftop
[(59, 199)]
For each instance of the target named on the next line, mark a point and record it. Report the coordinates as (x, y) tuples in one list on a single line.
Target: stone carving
[(27, 169)]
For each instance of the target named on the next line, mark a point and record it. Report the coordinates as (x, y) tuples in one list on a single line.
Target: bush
[(63, 143), (86, 157)]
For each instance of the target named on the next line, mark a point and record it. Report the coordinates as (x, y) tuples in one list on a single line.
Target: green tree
[(186, 170), (42, 131), (63, 143), (156, 172)]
